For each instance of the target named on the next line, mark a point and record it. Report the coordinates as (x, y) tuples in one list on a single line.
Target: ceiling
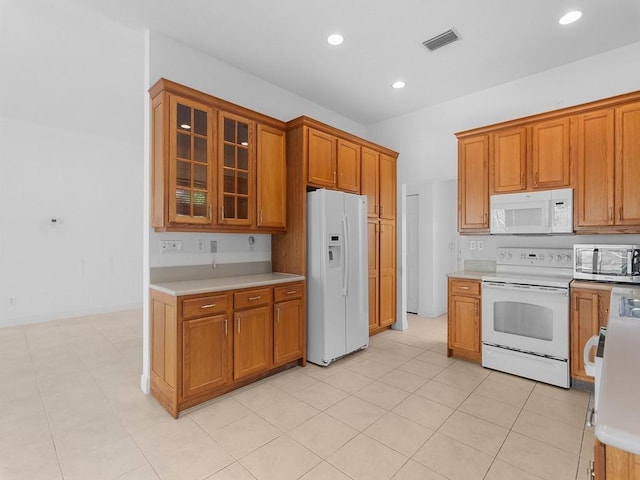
[(283, 42)]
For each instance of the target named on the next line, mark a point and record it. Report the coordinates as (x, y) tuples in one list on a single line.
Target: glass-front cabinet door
[(236, 170), (191, 162)]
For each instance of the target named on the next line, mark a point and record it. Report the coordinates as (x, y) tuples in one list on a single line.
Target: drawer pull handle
[(278, 315), (225, 327), (291, 292), (209, 305), (464, 288), (255, 298)]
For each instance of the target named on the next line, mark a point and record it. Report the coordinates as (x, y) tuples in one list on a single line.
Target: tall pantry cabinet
[(320, 156)]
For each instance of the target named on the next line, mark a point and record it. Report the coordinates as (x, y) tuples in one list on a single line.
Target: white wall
[(70, 147), (428, 147)]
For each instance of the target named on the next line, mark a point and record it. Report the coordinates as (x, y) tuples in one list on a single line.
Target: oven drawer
[(464, 287)]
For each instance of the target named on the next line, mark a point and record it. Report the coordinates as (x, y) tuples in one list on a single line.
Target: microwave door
[(521, 217)]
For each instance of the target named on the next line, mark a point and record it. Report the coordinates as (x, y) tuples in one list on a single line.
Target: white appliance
[(337, 287), (525, 314), (607, 263), (547, 211)]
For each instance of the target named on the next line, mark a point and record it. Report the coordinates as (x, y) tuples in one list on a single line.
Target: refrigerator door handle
[(345, 272)]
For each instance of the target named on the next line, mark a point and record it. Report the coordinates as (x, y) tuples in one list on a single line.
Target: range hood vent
[(441, 40)]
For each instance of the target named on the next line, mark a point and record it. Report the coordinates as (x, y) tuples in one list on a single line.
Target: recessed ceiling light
[(398, 84), (570, 17), (335, 39)]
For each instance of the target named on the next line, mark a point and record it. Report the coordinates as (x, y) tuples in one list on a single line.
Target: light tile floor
[(71, 407)]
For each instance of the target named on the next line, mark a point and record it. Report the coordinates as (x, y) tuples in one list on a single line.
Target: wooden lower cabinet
[(382, 274), (614, 464), (252, 340), (589, 312), (288, 334), (463, 319), (206, 355), (207, 344)]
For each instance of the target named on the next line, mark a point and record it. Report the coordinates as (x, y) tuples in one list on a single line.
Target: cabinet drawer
[(465, 287), (204, 306), (287, 292), (252, 298)]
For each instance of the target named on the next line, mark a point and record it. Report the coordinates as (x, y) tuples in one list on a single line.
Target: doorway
[(412, 252)]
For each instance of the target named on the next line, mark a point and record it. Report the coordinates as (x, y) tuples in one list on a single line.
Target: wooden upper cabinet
[(204, 172), (627, 165), (551, 154), (370, 179), (348, 166), (473, 184), (509, 160), (594, 194), (236, 170), (321, 159), (387, 195), (271, 178), (191, 164)]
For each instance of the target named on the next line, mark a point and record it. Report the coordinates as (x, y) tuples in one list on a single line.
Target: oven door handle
[(529, 288)]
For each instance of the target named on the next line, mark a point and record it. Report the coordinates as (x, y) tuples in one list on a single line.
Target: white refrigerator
[(337, 287)]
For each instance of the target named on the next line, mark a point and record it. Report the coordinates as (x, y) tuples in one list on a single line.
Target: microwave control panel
[(540, 257)]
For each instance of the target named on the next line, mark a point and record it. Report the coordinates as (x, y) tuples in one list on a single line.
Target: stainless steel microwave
[(608, 263)]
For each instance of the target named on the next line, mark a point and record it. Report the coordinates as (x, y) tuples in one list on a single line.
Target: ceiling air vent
[(441, 40)]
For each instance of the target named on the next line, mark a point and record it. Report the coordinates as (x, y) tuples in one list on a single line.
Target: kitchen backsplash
[(231, 248)]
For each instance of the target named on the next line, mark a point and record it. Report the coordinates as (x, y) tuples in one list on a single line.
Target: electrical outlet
[(472, 244), (200, 246), (214, 246), (480, 245), (171, 246)]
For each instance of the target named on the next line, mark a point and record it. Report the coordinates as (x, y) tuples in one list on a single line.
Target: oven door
[(527, 318)]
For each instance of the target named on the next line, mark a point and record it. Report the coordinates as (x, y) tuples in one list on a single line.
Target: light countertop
[(467, 275), (190, 287), (618, 421)]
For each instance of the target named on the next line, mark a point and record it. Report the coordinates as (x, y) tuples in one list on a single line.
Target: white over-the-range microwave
[(543, 212)]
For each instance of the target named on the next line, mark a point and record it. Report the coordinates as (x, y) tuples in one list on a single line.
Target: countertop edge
[(193, 287)]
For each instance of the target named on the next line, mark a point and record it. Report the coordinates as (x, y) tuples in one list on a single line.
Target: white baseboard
[(145, 384)]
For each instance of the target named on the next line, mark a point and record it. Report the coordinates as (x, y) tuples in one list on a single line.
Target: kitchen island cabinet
[(205, 343)]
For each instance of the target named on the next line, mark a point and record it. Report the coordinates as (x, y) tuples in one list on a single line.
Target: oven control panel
[(539, 257)]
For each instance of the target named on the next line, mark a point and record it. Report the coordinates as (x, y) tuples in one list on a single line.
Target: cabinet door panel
[(191, 162), (551, 154), (464, 323), (387, 313), (322, 159), (594, 189), (271, 178), (627, 164), (348, 166), (205, 354), (252, 341), (374, 272), (584, 324), (473, 184), (508, 160), (387, 209), (370, 177), (288, 334), (236, 170)]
